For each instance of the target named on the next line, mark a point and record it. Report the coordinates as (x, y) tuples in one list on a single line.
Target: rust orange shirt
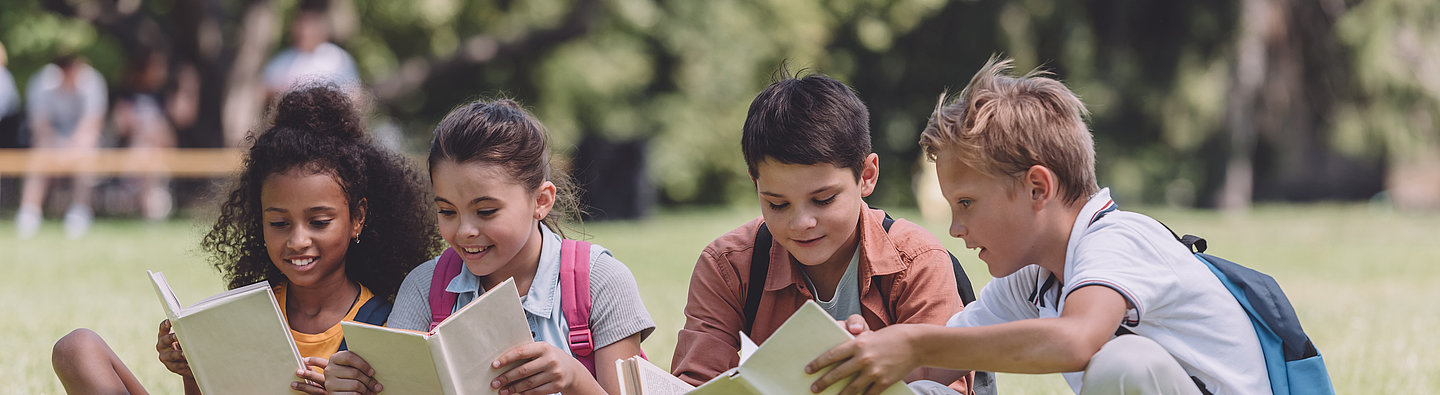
[(905, 277)]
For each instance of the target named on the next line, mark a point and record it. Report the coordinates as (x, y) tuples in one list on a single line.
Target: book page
[(223, 295), (728, 384), (778, 366), (402, 359), (166, 295), (656, 381), (469, 340), (239, 343)]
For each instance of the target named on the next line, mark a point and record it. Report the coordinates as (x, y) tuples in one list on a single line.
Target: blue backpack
[(1293, 363)]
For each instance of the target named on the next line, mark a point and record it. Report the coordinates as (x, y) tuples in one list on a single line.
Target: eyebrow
[(817, 190), (472, 201), (281, 210)]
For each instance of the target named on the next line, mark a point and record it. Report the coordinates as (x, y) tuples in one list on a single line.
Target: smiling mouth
[(476, 250), (302, 262)]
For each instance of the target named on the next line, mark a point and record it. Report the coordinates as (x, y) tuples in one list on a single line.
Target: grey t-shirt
[(616, 311), (846, 300)]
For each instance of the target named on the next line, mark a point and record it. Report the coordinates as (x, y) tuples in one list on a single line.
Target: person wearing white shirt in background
[(310, 56), (65, 108)]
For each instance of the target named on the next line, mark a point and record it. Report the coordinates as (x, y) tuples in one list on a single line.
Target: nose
[(469, 229), (803, 220), (299, 239), (958, 230)]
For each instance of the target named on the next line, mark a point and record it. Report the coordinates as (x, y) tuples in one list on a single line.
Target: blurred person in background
[(9, 105), (311, 55), (65, 106), (146, 118)]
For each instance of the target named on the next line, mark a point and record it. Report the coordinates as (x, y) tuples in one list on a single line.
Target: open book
[(452, 359), (778, 366), (236, 342), (638, 376)]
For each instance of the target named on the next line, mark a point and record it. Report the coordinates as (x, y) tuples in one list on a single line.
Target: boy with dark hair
[(1109, 297), (806, 142)]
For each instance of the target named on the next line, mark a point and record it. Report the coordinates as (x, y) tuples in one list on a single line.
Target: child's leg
[(86, 365), (1133, 364)]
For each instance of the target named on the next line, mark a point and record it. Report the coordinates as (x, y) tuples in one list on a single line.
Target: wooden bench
[(175, 162)]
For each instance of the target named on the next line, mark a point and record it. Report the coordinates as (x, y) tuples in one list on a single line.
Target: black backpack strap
[(962, 281), (374, 312), (759, 267)]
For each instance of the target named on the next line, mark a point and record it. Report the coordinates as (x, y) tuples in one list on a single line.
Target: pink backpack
[(574, 295)]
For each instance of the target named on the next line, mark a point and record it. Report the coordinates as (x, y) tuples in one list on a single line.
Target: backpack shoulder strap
[(759, 268), (441, 302), (575, 299), (962, 281), (374, 312)]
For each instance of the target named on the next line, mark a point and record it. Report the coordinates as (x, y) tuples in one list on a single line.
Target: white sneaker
[(77, 221), (27, 222)]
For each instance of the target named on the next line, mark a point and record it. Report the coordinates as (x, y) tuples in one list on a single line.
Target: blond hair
[(1002, 125)]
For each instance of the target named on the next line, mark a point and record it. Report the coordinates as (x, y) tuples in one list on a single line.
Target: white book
[(778, 366), (455, 357), (236, 342)]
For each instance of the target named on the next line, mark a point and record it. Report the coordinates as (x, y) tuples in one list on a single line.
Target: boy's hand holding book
[(540, 368)]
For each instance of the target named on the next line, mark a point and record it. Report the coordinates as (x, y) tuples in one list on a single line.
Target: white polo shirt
[(1177, 301)]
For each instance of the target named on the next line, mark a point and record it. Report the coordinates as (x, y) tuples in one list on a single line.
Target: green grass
[(1360, 278)]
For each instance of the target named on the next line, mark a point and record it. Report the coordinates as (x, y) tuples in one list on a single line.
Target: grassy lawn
[(1358, 276)]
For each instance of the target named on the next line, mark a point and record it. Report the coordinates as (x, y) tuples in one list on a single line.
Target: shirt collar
[(876, 254), (1099, 204), (540, 300)]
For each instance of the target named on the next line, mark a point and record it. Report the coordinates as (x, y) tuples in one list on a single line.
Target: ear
[(869, 174), (1040, 186), (357, 218), (544, 200)]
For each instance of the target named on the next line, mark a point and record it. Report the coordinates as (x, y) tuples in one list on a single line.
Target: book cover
[(236, 341), (452, 359)]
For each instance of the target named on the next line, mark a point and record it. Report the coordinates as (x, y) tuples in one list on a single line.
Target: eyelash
[(818, 202), (966, 203)]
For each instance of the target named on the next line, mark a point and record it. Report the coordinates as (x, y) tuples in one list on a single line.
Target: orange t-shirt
[(327, 343)]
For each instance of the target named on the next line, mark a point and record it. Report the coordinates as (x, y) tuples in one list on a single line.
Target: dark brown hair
[(807, 120), (502, 133), (316, 128)]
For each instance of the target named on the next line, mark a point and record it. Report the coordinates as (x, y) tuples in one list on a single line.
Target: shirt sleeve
[(709, 343), (412, 302), (1002, 300), (616, 311), (1120, 257)]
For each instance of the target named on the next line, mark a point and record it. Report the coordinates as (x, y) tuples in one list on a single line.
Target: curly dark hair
[(317, 128)]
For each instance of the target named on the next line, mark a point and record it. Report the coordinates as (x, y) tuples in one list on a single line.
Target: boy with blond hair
[(1107, 297)]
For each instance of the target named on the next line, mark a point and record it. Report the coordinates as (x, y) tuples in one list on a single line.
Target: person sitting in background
[(310, 56), (66, 111)]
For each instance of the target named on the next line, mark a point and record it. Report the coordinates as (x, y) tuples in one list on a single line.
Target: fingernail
[(815, 388), (495, 364), (295, 385), (379, 388), (495, 384)]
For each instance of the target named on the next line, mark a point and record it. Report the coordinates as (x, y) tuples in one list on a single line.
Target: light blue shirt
[(541, 303)]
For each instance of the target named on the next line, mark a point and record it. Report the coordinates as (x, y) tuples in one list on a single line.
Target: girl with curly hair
[(332, 220), (498, 204)]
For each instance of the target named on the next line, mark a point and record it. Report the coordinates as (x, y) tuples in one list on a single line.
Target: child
[(495, 193), (807, 144), (1073, 275), (331, 219)]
